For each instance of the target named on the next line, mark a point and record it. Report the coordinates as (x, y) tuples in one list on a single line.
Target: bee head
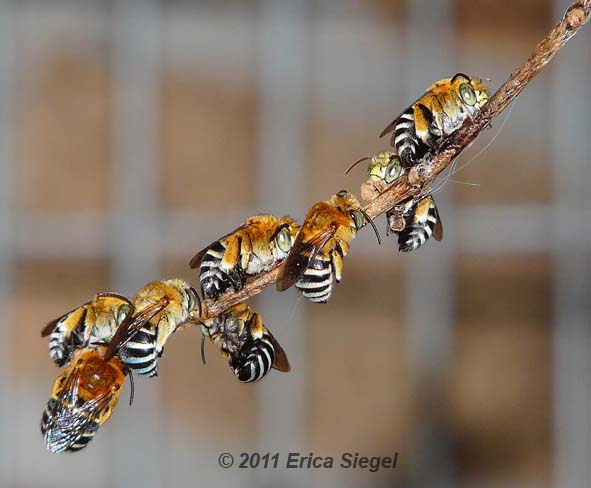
[(472, 91), (481, 91), (385, 167), (193, 300), (360, 218), (345, 201)]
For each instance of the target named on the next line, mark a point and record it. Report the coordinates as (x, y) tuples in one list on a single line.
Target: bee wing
[(48, 329), (300, 256), (438, 230), (131, 325), (390, 127), (196, 260), (71, 421), (281, 362)]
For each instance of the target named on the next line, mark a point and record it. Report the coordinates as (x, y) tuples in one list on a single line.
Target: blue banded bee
[(258, 245), (93, 322), (421, 222), (249, 346), (315, 261), (82, 399), (160, 308), (438, 113), (414, 221)]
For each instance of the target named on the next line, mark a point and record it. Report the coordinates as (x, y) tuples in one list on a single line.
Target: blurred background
[(135, 132)]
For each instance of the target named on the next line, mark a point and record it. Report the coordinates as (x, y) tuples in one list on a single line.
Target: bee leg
[(231, 265), (236, 278), (337, 263), (395, 218)]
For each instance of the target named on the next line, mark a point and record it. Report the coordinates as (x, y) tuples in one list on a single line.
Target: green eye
[(123, 312), (467, 94), (358, 219), (392, 172), (192, 293), (283, 240)]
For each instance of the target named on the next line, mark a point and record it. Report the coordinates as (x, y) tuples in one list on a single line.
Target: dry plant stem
[(574, 18), (424, 173)]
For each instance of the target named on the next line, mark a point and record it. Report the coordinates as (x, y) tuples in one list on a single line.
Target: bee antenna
[(131, 383), (356, 163), (203, 349), (457, 75), (199, 305), (372, 223)]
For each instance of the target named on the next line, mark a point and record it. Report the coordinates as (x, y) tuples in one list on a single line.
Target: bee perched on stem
[(258, 245), (415, 220), (93, 322), (82, 399), (316, 258), (249, 346), (160, 308), (438, 113)]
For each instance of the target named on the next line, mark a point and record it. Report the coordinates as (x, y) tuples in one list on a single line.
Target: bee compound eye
[(193, 300), (358, 219), (123, 312), (283, 240), (467, 94), (392, 172)]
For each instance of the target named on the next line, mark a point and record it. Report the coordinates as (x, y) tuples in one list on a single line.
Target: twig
[(424, 173)]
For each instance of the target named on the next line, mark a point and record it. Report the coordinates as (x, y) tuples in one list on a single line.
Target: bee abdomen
[(214, 280), (256, 361), (140, 354), (404, 138), (82, 441), (58, 349), (416, 232), (60, 434), (317, 281), (60, 346)]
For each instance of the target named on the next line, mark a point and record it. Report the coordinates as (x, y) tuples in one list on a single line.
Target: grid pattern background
[(134, 132)]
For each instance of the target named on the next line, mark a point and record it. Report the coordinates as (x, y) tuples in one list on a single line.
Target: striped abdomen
[(317, 281), (214, 280), (254, 361), (59, 349), (420, 224), (140, 354), (62, 343), (405, 140), (66, 429)]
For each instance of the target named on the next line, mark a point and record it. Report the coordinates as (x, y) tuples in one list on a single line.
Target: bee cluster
[(105, 340)]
